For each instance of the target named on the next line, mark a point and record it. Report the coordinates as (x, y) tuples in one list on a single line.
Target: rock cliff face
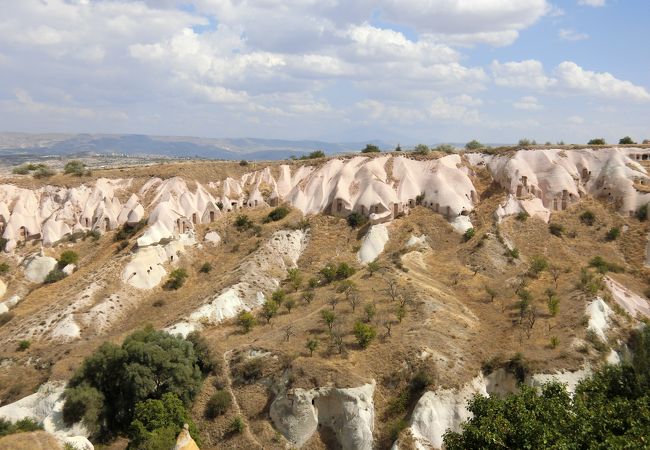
[(349, 413), (539, 181)]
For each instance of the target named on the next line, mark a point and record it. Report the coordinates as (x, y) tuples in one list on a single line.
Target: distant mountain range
[(15, 144)]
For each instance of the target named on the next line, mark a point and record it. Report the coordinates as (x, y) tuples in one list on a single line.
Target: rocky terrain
[(432, 254)]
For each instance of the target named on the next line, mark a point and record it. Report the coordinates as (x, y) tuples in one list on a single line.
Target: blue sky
[(396, 70)]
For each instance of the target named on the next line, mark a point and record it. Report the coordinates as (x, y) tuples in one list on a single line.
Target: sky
[(403, 71)]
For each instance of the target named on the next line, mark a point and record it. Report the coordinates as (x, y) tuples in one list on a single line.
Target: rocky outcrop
[(184, 440), (38, 266), (348, 412)]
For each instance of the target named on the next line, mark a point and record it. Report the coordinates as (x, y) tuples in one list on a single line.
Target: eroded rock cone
[(184, 440)]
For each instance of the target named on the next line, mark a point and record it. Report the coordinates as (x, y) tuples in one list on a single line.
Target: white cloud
[(604, 84), (523, 74), (593, 3), (572, 35), (528, 102), (576, 120)]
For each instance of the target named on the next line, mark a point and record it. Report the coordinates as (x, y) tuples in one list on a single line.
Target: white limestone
[(373, 243), (598, 312), (38, 266), (349, 413)]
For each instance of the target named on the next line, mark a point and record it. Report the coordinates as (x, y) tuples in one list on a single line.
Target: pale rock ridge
[(184, 440), (634, 304), (349, 412), (373, 243), (260, 273), (38, 266), (46, 406), (598, 312)]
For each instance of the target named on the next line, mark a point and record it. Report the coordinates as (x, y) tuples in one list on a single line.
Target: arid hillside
[(372, 283)]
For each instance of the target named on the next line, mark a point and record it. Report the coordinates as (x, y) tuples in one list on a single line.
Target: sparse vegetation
[(370, 148), (23, 345), (76, 168), (129, 230), (243, 222), (277, 214), (205, 268), (469, 234), (218, 404), (473, 145), (311, 345), (356, 220), (246, 321), (68, 257), (21, 426), (4, 268), (556, 229), (588, 218), (603, 266), (176, 279), (269, 310), (332, 272), (364, 333), (613, 234), (421, 149), (236, 425)]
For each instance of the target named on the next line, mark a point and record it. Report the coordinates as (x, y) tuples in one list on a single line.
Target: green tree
[(204, 357), (329, 317), (311, 345), (295, 278), (538, 264), (370, 148), (246, 321), (370, 309), (421, 149), (372, 267), (364, 333), (473, 145), (269, 310), (84, 404), (627, 140), (148, 364), (157, 422), (597, 141), (279, 296), (289, 304)]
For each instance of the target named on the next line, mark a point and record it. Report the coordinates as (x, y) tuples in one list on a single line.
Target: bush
[(278, 213), (176, 279), (473, 145), (538, 264), (68, 257), (627, 140), (246, 321), (206, 268), (522, 216), (588, 218), (421, 149), (332, 272), (218, 404), (269, 310), (597, 141), (445, 148), (20, 170), (243, 162), (513, 253), (243, 222), (236, 426), (278, 296), (602, 266), (642, 212), (74, 167), (148, 365), (364, 333), (204, 357), (21, 426), (556, 229), (356, 220), (157, 422), (43, 172), (24, 345), (313, 155), (370, 148), (55, 275), (4, 268), (469, 234), (613, 234)]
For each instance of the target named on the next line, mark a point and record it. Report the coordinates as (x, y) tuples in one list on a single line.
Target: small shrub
[(74, 167), (22, 426), (445, 148), (279, 296), (246, 321), (129, 230), (555, 341), (158, 303), (421, 149), (269, 310), (68, 257), (278, 213), (364, 333), (588, 218), (538, 264), (627, 140), (314, 155), (473, 145), (55, 275), (176, 279), (43, 172), (237, 425), (556, 229), (613, 234), (603, 266), (356, 220), (206, 268), (243, 222), (642, 212), (597, 141), (513, 253), (311, 345), (522, 216), (24, 345), (20, 170), (243, 162), (4, 268), (469, 234), (218, 404)]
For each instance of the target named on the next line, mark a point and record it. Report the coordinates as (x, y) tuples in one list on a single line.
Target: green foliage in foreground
[(21, 426), (110, 383), (610, 410)]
